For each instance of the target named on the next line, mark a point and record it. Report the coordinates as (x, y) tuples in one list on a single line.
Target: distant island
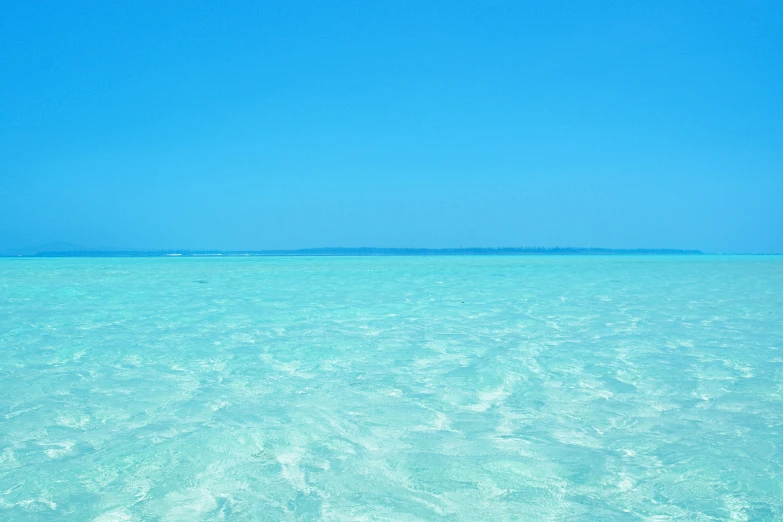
[(363, 251)]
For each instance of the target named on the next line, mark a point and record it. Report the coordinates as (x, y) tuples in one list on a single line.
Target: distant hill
[(57, 247), (70, 250)]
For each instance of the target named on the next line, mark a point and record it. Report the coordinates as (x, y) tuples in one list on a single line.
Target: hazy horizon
[(73, 250), (66, 247)]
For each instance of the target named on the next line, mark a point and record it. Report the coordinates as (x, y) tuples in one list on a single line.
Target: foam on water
[(454, 388)]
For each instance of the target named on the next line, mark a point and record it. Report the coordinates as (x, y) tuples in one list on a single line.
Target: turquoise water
[(427, 388)]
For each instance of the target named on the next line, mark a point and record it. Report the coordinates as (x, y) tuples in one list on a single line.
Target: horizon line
[(78, 251)]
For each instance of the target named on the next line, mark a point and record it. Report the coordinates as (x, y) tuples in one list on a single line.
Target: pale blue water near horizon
[(391, 388)]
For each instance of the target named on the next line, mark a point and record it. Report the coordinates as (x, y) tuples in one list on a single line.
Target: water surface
[(392, 388)]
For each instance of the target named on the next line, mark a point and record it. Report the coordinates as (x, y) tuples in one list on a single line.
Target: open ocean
[(392, 388)]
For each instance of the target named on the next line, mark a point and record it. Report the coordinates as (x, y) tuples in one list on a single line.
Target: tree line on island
[(370, 251)]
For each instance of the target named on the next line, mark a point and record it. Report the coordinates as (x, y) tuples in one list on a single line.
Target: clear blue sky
[(252, 125)]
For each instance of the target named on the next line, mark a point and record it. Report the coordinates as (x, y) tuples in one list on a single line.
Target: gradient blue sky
[(252, 125)]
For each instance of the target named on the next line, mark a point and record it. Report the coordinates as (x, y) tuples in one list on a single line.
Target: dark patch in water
[(262, 455), (202, 281)]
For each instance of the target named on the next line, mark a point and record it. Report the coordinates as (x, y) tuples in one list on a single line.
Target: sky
[(276, 125)]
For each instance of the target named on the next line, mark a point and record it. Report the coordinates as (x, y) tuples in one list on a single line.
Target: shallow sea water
[(392, 388)]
